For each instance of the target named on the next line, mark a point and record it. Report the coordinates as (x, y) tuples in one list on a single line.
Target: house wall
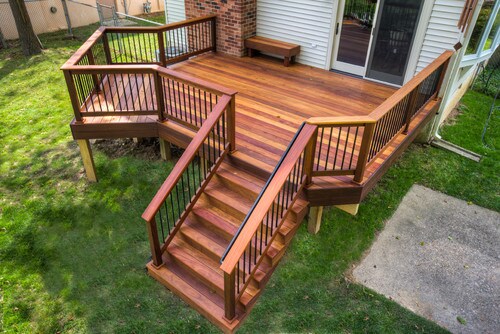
[(442, 32), (303, 22), (236, 21), (175, 10)]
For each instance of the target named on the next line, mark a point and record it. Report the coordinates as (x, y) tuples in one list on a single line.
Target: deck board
[(273, 100)]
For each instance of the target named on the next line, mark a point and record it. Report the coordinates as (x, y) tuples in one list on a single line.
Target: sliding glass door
[(393, 36)]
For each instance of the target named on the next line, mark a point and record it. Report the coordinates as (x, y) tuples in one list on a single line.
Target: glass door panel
[(393, 38), (354, 35)]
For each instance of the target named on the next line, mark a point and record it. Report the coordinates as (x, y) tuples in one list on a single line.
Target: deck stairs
[(191, 267)]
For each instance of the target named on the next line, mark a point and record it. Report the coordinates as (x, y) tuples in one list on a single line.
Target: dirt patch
[(453, 116), (144, 148)]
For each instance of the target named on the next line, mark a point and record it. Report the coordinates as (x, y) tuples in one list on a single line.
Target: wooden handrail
[(136, 69), (165, 27), (370, 122), (186, 158), (410, 85), (82, 50), (101, 32), (341, 120), (266, 200)]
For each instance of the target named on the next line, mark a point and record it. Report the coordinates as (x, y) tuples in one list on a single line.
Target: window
[(480, 28), (493, 33)]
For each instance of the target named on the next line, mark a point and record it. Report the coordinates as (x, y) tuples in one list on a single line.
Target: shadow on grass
[(73, 253)]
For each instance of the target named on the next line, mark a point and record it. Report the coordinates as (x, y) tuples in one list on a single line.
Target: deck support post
[(364, 151), (351, 209), (314, 222), (229, 296), (165, 149), (154, 243), (231, 124), (88, 159)]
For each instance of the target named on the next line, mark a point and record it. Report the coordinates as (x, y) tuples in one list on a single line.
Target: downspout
[(452, 76), (453, 73)]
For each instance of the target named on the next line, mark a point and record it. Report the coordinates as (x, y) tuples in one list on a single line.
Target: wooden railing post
[(154, 243), (107, 51), (229, 295), (73, 95), (161, 49), (364, 151), (214, 34), (309, 157), (231, 124), (412, 103), (441, 77), (95, 79), (160, 100)]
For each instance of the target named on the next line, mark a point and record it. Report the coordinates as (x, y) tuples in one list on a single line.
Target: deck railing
[(348, 145), (186, 182), (119, 71), (250, 244), (321, 147)]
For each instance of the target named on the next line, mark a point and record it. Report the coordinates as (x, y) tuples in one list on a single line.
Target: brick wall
[(236, 21)]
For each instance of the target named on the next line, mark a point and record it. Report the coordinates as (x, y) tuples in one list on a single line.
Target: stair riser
[(248, 193), (214, 227), (226, 207), (201, 278), (199, 246)]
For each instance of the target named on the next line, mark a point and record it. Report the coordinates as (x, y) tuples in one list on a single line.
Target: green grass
[(72, 254)]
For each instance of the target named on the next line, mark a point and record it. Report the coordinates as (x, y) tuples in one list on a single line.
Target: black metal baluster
[(353, 147), (166, 216), (345, 146)]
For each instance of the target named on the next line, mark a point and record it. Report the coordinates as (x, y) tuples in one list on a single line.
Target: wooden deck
[(264, 143), (271, 103), (273, 100)]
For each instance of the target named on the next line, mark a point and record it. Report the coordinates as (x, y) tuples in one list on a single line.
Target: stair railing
[(187, 180), (348, 145), (119, 71), (254, 237)]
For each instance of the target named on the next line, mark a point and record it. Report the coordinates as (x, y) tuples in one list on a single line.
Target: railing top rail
[(132, 69), (410, 85), (389, 103), (266, 197), (83, 49), (165, 27), (186, 158), (90, 42), (341, 120)]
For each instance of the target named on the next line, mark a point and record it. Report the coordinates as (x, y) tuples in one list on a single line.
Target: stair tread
[(224, 197), (195, 294), (209, 241), (204, 268), (217, 218), (248, 184)]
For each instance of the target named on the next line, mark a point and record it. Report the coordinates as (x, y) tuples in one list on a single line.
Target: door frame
[(337, 18), (415, 51)]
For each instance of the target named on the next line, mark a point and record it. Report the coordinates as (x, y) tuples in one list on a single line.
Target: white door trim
[(418, 40), (333, 22)]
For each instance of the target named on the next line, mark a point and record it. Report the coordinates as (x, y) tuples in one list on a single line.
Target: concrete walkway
[(439, 257)]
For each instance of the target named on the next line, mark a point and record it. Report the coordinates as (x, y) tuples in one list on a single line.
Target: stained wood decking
[(271, 103)]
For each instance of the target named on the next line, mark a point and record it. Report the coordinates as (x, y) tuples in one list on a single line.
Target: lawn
[(72, 254)]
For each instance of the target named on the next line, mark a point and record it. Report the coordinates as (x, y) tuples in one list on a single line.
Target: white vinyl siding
[(303, 22), (175, 10), (442, 32)]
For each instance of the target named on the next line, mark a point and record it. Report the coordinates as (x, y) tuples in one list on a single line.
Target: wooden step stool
[(263, 44)]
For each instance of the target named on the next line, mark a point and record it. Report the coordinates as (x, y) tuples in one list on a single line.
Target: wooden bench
[(263, 44)]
